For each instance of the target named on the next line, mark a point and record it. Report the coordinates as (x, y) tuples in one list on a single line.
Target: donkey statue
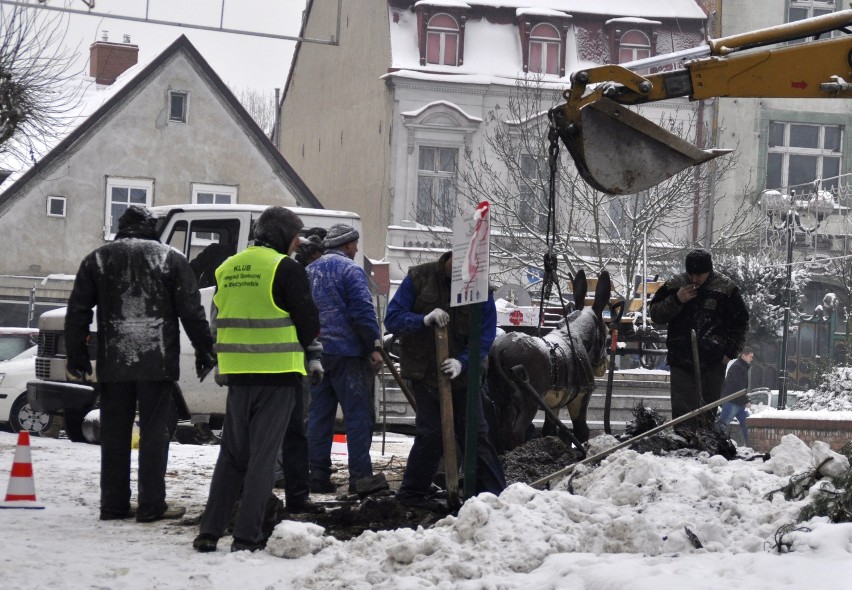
[(528, 373)]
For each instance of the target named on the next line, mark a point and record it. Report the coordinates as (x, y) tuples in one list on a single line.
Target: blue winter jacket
[(348, 323)]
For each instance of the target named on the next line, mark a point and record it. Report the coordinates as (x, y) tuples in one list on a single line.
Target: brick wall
[(766, 433)]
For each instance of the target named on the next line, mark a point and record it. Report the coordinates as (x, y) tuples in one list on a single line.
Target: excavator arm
[(618, 152)]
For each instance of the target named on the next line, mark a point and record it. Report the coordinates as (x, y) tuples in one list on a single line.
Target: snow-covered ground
[(625, 527)]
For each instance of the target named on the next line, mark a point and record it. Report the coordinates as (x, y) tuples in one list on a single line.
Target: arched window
[(633, 45), (545, 46), (442, 40)]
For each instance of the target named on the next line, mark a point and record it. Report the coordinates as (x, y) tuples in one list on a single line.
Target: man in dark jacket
[(709, 303), (263, 318), (350, 339), (735, 380), (141, 289), (421, 303)]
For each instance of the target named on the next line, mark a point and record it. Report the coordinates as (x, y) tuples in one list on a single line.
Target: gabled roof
[(183, 44)]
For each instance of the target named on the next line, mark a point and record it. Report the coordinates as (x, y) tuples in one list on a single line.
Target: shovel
[(448, 431)]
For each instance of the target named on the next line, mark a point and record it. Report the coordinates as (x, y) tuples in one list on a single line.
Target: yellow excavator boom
[(619, 152)]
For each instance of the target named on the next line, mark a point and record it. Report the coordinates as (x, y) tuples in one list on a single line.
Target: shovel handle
[(448, 433)]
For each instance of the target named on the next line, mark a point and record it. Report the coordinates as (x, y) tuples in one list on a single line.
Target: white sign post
[(471, 240)]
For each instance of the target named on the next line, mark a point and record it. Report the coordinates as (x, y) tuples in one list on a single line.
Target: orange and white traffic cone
[(21, 490), (338, 445)]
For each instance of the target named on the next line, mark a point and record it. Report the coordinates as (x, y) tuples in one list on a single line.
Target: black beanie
[(698, 262)]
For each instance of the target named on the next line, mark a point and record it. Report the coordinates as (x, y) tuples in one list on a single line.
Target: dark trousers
[(348, 380), (292, 462), (251, 437), (118, 411), (685, 397), (428, 447)]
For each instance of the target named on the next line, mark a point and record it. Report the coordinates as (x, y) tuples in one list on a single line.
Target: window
[(212, 194), (532, 193), (121, 193), (55, 206), (633, 45), (178, 103), (436, 179), (545, 46), (442, 40), (205, 254), (440, 35), (799, 153), (802, 9)]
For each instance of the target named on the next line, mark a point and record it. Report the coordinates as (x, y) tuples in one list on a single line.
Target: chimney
[(107, 61)]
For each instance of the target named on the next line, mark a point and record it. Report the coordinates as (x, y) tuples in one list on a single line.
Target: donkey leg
[(578, 409)]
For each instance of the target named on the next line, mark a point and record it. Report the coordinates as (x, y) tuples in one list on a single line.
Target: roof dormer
[(440, 32), (543, 32)]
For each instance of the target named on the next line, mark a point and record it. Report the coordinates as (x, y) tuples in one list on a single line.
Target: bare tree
[(260, 105), (38, 94), (594, 230)]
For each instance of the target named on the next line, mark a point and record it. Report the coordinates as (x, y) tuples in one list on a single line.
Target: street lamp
[(783, 212)]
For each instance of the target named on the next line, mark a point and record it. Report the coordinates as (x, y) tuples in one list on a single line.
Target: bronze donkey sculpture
[(528, 373)]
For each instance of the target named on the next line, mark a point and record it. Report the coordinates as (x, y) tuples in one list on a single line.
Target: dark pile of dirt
[(346, 519), (537, 458)]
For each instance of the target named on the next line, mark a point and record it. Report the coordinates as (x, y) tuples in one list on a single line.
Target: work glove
[(452, 368), (316, 371), (78, 368), (439, 317), (204, 363)]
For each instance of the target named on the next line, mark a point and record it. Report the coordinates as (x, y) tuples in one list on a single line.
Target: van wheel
[(74, 425), (23, 417)]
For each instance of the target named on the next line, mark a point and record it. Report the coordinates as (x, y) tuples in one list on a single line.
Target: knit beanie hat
[(698, 262), (136, 222), (339, 234)]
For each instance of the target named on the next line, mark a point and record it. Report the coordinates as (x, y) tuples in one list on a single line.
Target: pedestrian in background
[(421, 303), (263, 317), (711, 304), (142, 289), (350, 339), (736, 379)]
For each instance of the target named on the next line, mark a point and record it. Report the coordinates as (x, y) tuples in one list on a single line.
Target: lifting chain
[(551, 277)]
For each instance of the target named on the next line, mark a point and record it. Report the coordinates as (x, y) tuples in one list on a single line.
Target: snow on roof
[(91, 97), (633, 20), (655, 9), (492, 50), (538, 11), (444, 3), (441, 102)]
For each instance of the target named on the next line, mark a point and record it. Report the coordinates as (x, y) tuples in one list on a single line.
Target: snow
[(624, 527)]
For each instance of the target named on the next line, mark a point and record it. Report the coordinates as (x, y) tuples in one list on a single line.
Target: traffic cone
[(21, 490), (338, 445)]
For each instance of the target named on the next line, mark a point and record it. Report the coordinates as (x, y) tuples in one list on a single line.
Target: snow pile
[(632, 503), (833, 394), (292, 539)]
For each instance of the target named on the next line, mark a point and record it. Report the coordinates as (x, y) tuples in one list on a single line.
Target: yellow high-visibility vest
[(253, 335)]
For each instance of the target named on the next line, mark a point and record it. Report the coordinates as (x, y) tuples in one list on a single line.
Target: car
[(15, 410), (14, 341)]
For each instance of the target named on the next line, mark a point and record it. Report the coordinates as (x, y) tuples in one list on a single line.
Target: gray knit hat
[(339, 234)]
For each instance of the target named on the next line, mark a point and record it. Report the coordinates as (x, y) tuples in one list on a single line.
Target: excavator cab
[(619, 152)]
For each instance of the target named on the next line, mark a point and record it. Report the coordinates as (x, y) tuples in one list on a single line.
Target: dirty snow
[(625, 527)]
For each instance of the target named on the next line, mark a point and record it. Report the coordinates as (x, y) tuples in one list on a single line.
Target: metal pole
[(782, 391), (566, 470), (473, 388)]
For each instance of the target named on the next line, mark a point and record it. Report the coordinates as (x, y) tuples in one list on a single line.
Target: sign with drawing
[(471, 240)]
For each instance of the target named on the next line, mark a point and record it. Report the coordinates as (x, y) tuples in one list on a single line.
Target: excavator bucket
[(620, 152)]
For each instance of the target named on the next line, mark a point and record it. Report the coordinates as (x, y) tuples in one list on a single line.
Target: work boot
[(205, 543), (240, 545), (421, 503), (304, 507), (319, 486), (131, 512), (171, 512)]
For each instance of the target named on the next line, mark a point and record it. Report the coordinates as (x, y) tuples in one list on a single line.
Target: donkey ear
[(602, 293), (580, 289)]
